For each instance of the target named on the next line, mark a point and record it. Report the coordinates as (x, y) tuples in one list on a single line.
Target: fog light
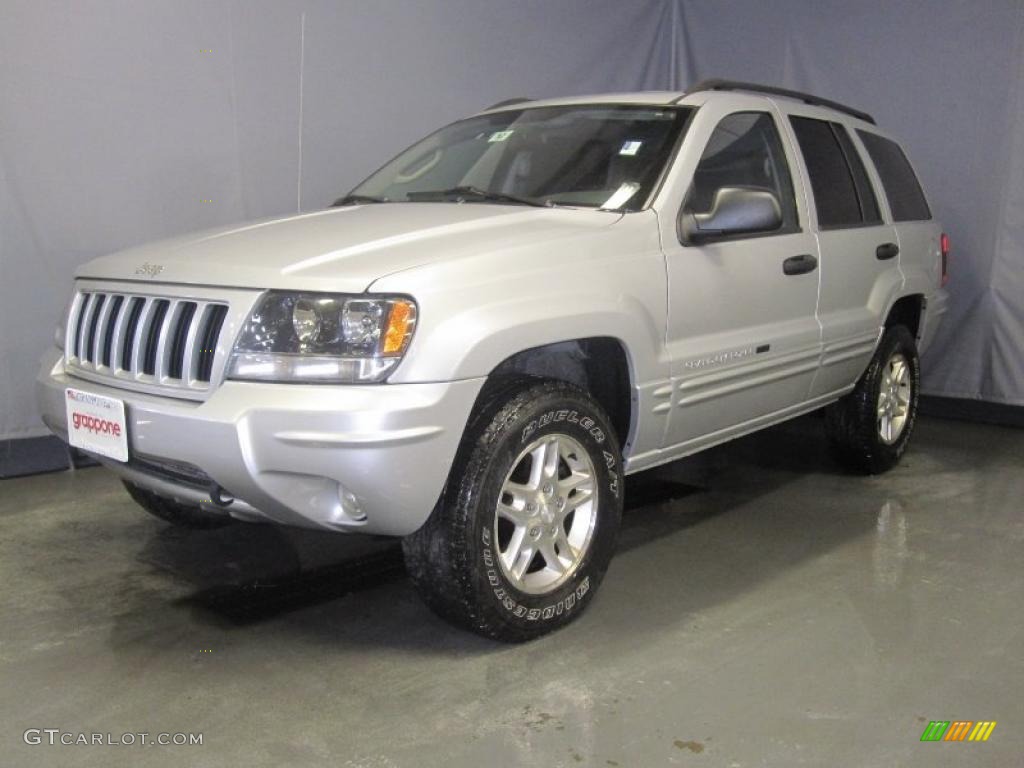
[(350, 505)]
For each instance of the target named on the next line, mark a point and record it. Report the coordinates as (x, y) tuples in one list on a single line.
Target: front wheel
[(527, 525), (869, 428)]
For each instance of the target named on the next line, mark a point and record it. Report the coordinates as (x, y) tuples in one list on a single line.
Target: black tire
[(453, 558), (852, 423), (175, 513)]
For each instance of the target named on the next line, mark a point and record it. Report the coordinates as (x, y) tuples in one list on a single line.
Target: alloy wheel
[(894, 399), (546, 512)]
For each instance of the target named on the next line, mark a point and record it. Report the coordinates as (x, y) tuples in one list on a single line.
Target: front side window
[(744, 152), (599, 156)]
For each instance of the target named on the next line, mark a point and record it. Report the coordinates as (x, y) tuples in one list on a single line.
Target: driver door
[(742, 327)]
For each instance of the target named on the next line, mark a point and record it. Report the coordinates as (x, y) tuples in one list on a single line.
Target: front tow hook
[(220, 497)]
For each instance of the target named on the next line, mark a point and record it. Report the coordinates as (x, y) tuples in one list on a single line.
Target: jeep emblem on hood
[(150, 270)]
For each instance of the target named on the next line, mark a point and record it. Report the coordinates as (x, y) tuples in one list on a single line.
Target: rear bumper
[(360, 458)]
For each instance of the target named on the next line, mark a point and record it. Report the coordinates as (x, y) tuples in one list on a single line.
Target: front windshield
[(599, 156)]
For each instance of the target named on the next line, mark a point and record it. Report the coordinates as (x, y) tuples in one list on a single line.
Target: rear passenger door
[(920, 252), (858, 250)]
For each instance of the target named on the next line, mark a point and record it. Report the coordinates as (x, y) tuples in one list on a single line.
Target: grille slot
[(182, 325), (95, 307), (128, 345), (151, 340), (153, 335), (208, 348), (108, 333), (82, 307)]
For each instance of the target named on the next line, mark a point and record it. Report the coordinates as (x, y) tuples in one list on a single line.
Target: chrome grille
[(153, 340)]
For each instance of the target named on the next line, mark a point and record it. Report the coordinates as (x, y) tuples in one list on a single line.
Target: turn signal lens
[(401, 321)]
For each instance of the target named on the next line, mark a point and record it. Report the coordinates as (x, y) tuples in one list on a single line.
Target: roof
[(667, 98), (769, 90), (654, 98)]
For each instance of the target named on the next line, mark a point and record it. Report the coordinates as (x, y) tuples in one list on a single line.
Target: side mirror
[(735, 211)]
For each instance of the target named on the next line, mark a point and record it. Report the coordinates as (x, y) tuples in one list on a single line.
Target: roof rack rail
[(508, 103), (807, 98)]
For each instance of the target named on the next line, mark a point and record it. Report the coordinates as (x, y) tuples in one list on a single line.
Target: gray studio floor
[(786, 614)]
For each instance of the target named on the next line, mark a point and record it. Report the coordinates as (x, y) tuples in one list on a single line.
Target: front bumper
[(369, 458)]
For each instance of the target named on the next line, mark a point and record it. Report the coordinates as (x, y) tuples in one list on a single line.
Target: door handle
[(799, 265), (887, 251)]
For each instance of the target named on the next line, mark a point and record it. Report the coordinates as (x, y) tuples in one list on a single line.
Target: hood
[(342, 249)]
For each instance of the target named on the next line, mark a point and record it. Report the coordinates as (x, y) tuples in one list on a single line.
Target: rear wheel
[(175, 513), (527, 525), (869, 428)]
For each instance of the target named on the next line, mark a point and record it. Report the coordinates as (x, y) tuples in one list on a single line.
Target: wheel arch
[(600, 365), (907, 311)]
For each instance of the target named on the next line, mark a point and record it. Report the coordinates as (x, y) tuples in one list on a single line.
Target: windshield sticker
[(500, 135), (630, 147), (621, 195)]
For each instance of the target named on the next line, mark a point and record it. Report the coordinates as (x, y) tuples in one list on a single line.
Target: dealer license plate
[(97, 424)]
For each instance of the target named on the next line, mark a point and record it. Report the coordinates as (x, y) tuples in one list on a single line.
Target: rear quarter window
[(906, 198)]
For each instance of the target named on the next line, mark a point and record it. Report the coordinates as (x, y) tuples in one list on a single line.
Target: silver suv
[(474, 346)]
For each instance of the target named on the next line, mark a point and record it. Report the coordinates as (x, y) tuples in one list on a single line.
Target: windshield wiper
[(356, 199), (477, 194)]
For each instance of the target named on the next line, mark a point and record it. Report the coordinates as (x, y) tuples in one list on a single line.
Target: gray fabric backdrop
[(124, 121)]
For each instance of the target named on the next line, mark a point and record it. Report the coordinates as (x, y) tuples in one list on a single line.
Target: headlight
[(323, 337)]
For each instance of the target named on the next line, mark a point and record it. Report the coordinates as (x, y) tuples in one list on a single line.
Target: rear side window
[(906, 199), (865, 194), (842, 192)]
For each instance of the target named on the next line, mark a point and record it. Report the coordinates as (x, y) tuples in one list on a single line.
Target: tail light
[(944, 246)]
